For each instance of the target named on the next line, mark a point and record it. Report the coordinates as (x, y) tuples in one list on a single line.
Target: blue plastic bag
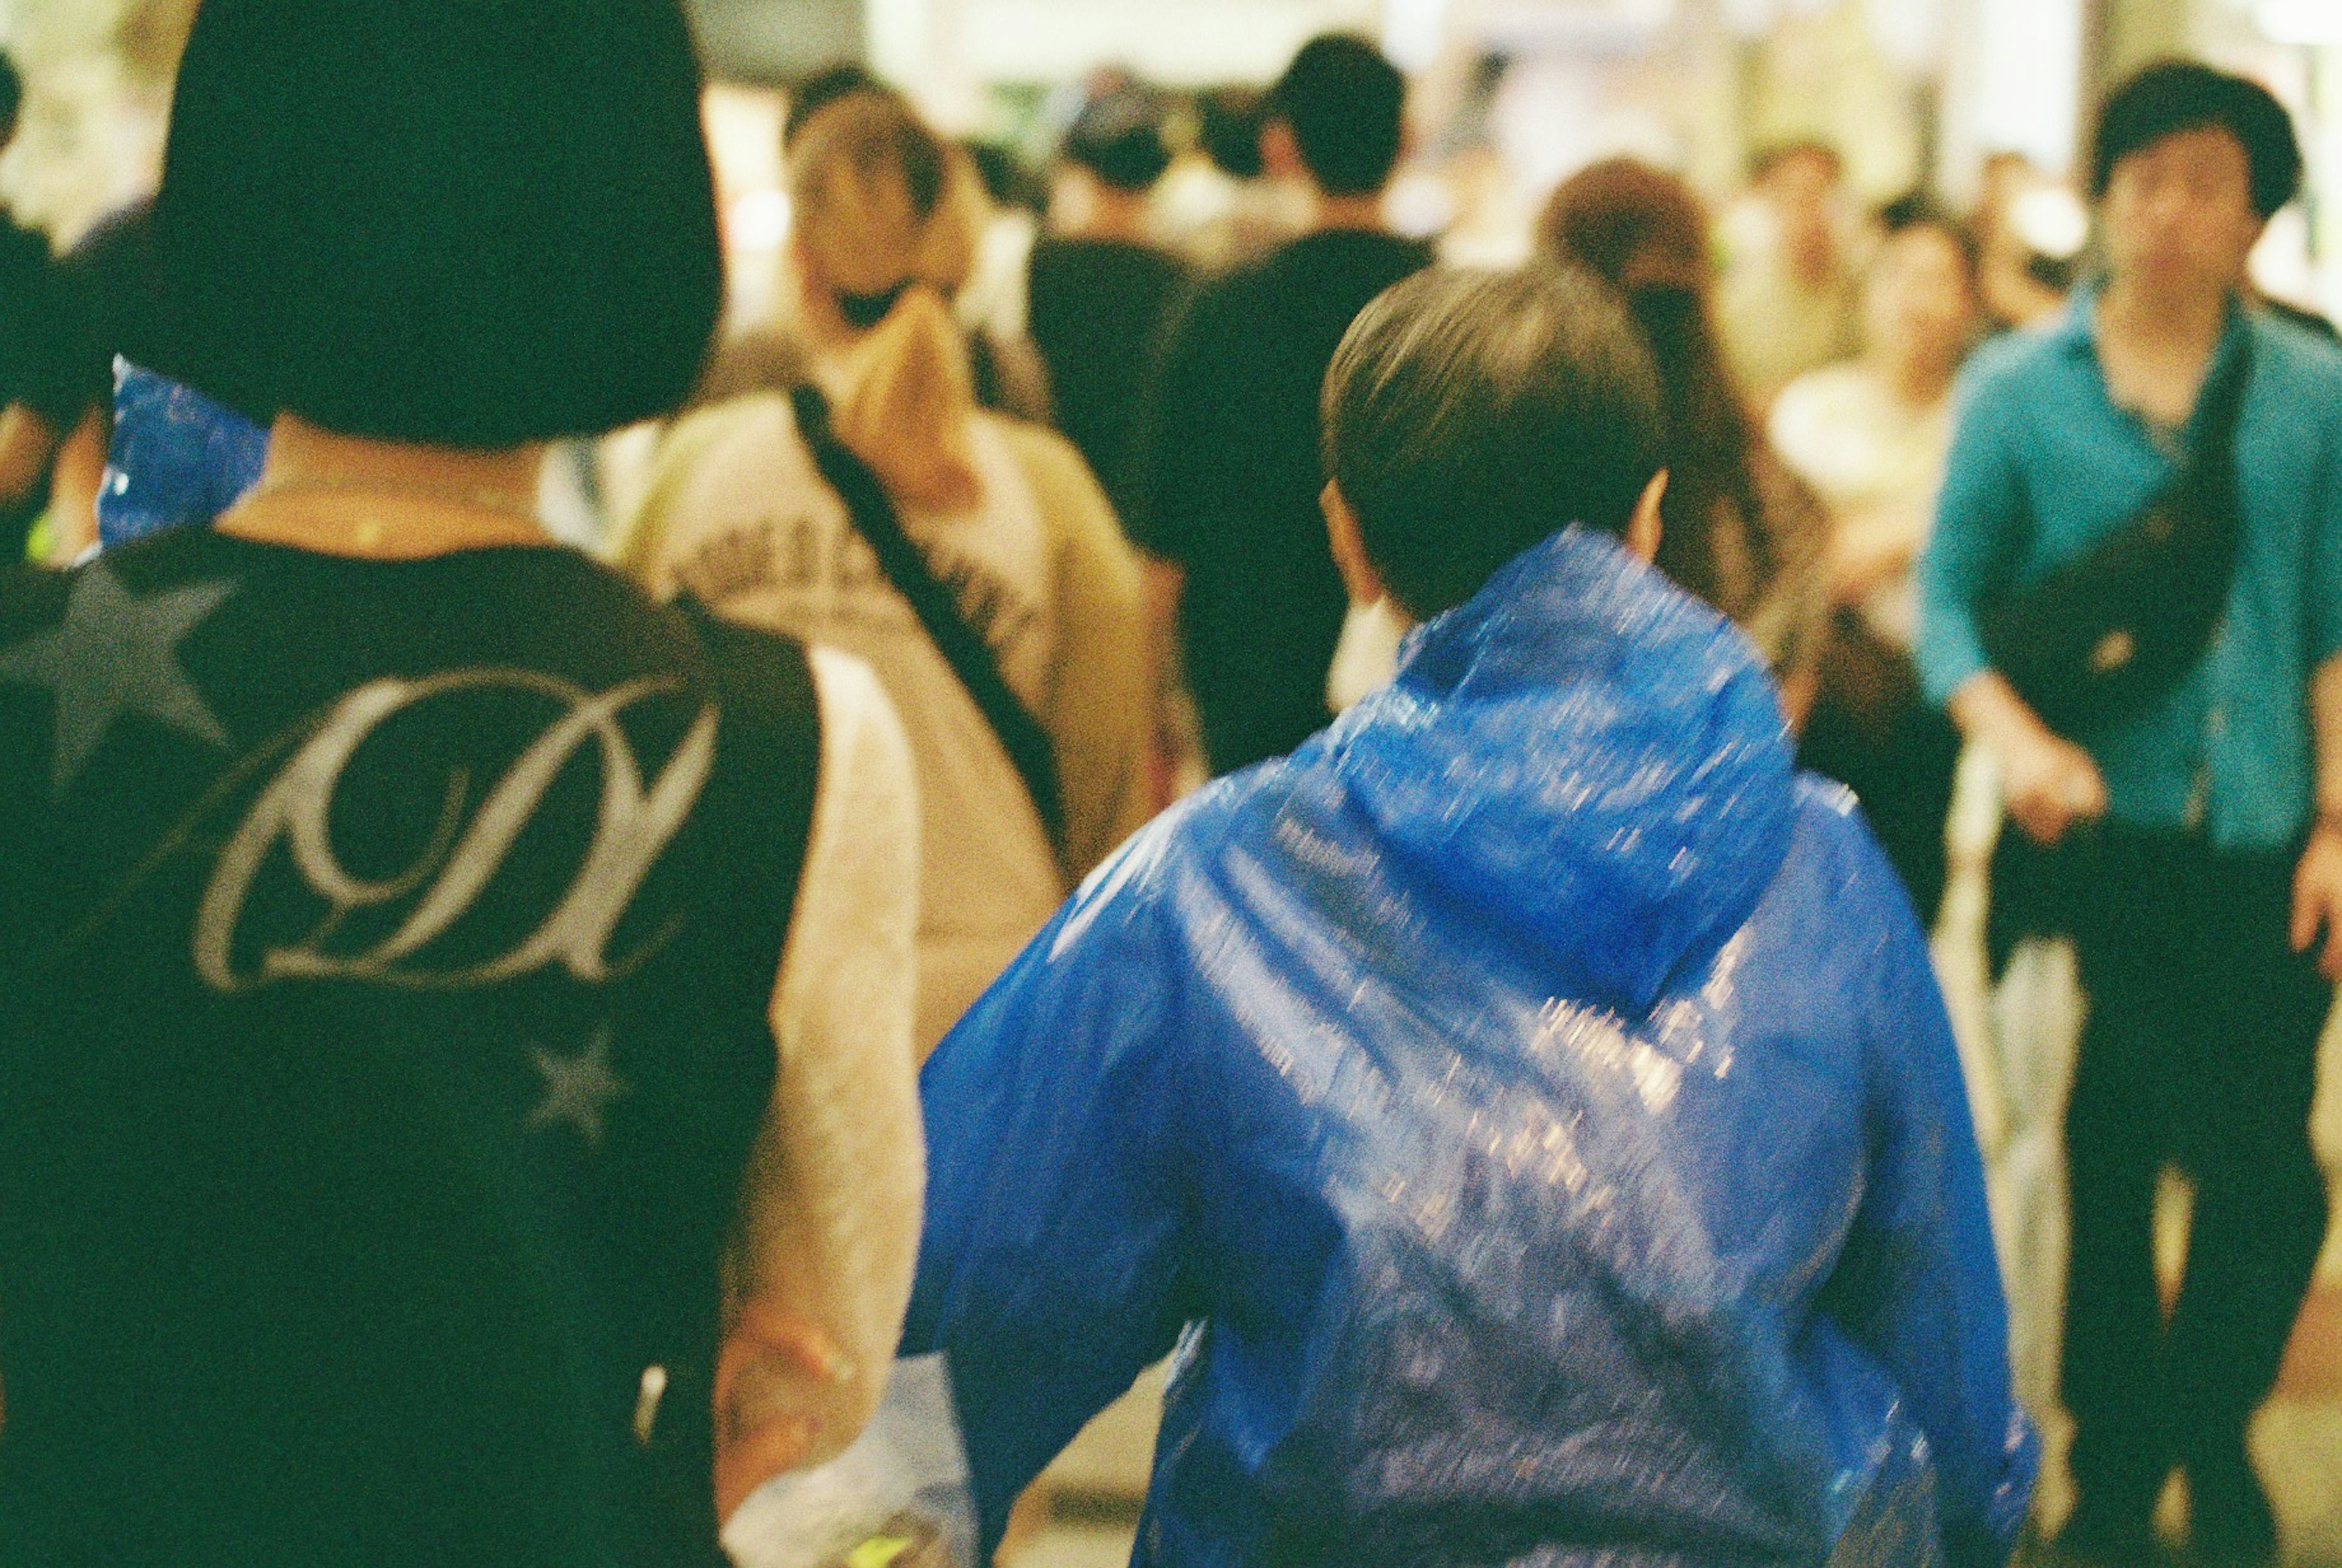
[(178, 458)]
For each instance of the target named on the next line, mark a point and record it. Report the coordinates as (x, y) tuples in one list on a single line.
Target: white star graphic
[(578, 1089), (116, 654)]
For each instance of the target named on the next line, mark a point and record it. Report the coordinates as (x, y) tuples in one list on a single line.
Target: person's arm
[(830, 1211), (2317, 885), (73, 489), (1918, 1284), (27, 442), (1099, 710), (1054, 1264), (2047, 784)]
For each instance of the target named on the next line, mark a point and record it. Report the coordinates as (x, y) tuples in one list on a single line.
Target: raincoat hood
[(1589, 757)]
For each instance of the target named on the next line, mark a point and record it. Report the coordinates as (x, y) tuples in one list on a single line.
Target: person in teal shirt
[(2203, 835)]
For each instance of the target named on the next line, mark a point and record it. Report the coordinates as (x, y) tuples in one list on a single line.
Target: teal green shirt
[(2043, 465)]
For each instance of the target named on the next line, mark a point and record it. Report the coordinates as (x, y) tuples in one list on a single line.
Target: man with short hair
[(2200, 826), (1532, 1095), (1232, 453)]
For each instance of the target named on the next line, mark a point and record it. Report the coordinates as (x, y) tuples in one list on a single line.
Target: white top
[(750, 528), (1876, 462), (831, 1204)]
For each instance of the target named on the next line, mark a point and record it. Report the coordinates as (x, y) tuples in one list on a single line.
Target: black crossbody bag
[(937, 606), (2120, 626)]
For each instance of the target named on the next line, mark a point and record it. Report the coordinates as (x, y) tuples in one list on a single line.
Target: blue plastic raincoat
[(1537, 1099)]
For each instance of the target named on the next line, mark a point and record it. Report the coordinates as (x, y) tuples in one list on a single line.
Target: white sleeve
[(832, 1210)]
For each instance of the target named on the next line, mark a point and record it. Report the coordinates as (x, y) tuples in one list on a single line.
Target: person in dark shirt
[(1101, 295), (1232, 465), (433, 977)]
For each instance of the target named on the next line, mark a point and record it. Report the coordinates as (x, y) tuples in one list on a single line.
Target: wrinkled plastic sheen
[(178, 459), (1535, 1099)]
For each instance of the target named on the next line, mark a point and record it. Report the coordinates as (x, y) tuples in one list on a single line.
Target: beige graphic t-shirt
[(742, 520)]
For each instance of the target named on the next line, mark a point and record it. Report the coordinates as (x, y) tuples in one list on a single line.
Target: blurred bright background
[(1513, 96)]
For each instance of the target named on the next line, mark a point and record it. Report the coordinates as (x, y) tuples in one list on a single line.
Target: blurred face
[(2178, 213), (1802, 189), (1919, 303)]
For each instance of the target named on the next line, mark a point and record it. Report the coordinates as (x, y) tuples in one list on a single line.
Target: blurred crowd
[(1043, 496)]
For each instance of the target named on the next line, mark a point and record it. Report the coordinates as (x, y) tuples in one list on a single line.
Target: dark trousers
[(2201, 1052)]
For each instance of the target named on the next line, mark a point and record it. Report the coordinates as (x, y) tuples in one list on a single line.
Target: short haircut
[(1123, 139), (1348, 107), (823, 88), (451, 224), (1469, 415), (1918, 210), (2174, 95)]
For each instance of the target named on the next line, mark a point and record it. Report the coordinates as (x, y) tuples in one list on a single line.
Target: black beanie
[(462, 223)]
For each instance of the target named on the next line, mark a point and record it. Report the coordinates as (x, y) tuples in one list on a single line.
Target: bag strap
[(937, 606), (2213, 456)]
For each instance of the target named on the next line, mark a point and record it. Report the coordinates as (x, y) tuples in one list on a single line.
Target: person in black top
[(456, 1088), (1233, 471), (1101, 295)]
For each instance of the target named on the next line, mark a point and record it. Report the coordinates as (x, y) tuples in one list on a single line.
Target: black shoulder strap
[(2213, 455), (937, 608)]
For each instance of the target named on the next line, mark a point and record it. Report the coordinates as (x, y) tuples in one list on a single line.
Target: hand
[(769, 1377), (2049, 786), (2318, 899)]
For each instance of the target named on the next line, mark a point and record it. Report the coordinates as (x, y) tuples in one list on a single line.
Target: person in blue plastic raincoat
[(1531, 1097)]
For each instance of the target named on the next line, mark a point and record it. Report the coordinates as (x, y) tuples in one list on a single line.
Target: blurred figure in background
[(2171, 732), (1101, 295), (993, 307), (455, 1083), (970, 558), (768, 355), (1869, 437), (1217, 207), (1790, 301), (1233, 467), (2030, 230), (41, 389), (1742, 532)]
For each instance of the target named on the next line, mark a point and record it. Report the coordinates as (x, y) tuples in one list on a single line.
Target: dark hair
[(2174, 95), (1918, 210), (1120, 138), (451, 223), (12, 95), (1007, 179), (1642, 232), (1228, 122), (1348, 107), (823, 88), (1780, 153), (1470, 414)]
